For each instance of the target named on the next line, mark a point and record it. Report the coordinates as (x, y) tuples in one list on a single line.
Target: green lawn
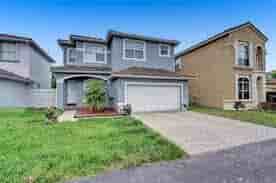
[(50, 153), (258, 117)]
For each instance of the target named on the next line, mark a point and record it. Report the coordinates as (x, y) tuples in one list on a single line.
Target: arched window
[(243, 88), (259, 58)]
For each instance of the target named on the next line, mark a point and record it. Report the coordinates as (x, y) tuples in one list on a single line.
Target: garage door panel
[(153, 97)]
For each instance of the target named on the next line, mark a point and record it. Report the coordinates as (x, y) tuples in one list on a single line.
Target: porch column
[(60, 94), (254, 89)]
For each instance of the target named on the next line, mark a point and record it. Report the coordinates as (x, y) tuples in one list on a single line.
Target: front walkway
[(67, 116), (200, 133)]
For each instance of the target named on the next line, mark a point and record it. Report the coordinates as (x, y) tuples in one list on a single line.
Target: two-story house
[(24, 65), (137, 70), (229, 67)]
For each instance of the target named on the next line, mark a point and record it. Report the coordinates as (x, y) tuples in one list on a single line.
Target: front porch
[(71, 90)]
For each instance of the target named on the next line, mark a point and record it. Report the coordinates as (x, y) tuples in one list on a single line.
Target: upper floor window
[(94, 54), (243, 53), (164, 50), (243, 88), (134, 50), (73, 55), (8, 51)]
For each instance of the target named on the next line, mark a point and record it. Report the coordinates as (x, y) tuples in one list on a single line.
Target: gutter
[(150, 77)]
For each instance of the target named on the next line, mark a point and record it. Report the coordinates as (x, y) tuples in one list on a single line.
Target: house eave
[(149, 77), (80, 72)]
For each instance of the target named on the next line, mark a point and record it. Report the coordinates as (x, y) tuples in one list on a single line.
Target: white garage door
[(146, 98)]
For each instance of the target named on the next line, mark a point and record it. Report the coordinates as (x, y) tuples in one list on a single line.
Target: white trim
[(263, 56), (238, 76), (264, 86), (126, 84), (151, 77), (169, 50), (133, 59), (236, 48), (251, 55), (92, 72)]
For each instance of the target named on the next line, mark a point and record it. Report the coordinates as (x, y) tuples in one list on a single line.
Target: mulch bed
[(88, 112)]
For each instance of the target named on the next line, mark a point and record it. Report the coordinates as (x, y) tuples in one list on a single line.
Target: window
[(164, 50), (243, 88), (94, 54), (72, 55), (8, 51), (133, 50), (243, 53)]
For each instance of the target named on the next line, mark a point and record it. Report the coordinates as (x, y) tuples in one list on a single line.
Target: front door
[(72, 92)]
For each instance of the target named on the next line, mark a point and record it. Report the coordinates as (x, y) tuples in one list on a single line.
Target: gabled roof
[(12, 76), (112, 33), (87, 38), (221, 35), (140, 72), (14, 38), (73, 38)]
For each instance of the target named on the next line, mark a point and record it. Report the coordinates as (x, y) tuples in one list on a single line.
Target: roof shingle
[(148, 72), (12, 76)]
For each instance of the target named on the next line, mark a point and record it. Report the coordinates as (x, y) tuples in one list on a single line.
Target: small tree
[(273, 75), (95, 94)]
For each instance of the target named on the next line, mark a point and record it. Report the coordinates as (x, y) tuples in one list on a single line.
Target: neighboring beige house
[(270, 87), (229, 67)]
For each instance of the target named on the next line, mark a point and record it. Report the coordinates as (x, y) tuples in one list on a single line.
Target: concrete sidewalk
[(67, 116)]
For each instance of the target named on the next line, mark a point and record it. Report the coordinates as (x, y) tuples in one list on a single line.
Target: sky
[(187, 21)]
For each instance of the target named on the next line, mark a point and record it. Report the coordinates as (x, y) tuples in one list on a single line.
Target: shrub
[(267, 106), (95, 95), (127, 109), (273, 75), (238, 105), (52, 114)]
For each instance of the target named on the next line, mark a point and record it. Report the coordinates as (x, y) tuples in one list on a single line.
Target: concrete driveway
[(200, 133)]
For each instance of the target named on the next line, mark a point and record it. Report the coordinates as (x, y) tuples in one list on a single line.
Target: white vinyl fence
[(42, 97)]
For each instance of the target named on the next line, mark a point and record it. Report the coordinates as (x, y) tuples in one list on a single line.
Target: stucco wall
[(214, 65)]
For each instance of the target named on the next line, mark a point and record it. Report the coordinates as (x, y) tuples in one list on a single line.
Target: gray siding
[(13, 94), (22, 65), (40, 70), (153, 60)]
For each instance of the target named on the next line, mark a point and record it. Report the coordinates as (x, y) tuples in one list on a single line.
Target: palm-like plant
[(95, 94)]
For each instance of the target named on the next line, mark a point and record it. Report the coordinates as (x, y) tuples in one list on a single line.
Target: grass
[(265, 118), (51, 153)]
